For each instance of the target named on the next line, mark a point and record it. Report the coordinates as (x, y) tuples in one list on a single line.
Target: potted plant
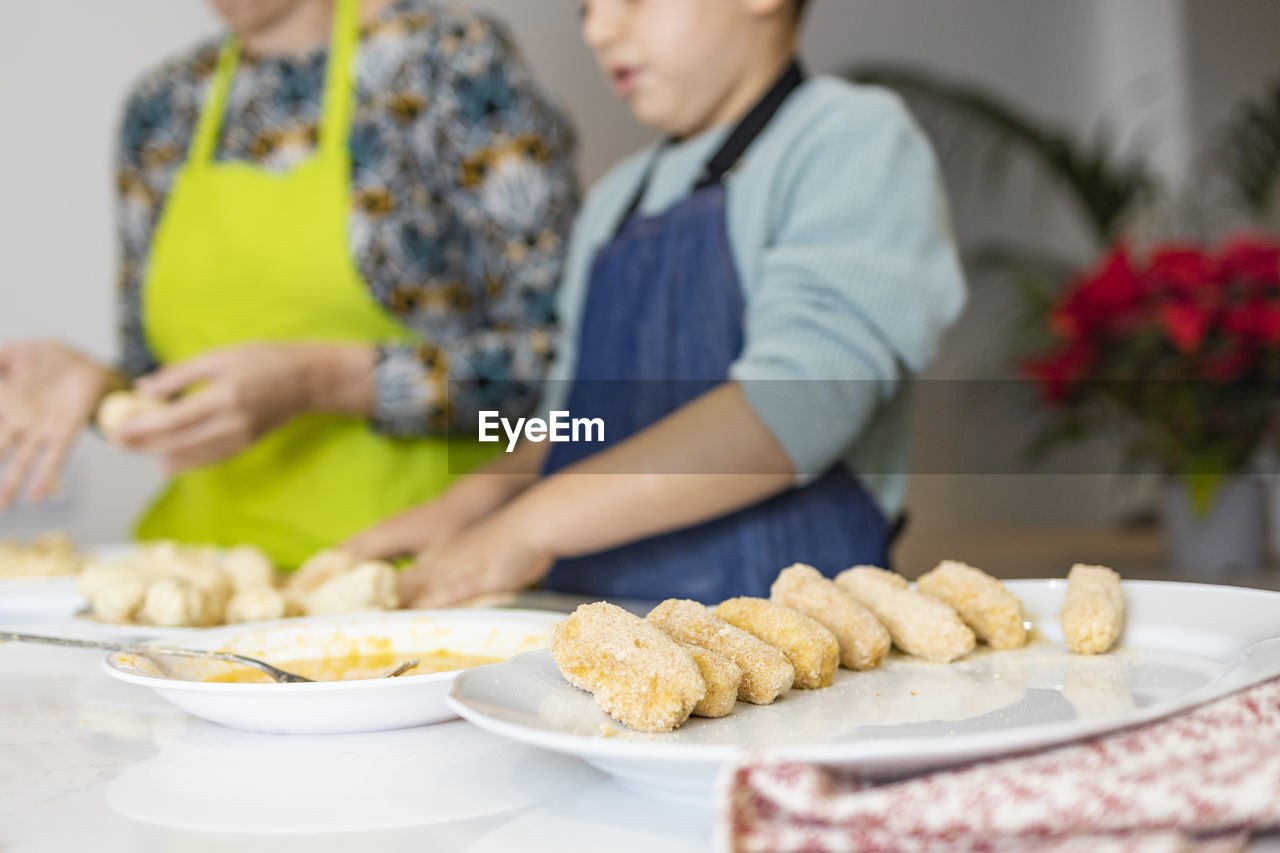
[(1178, 351), (1120, 197)]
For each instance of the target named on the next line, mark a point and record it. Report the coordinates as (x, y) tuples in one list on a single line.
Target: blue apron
[(662, 324)]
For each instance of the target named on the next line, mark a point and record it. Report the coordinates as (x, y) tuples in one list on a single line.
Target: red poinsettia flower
[(1231, 365), (1256, 321), (1185, 324), (1219, 312), (1181, 269), (1252, 259), (1102, 300), (1210, 323), (1059, 371)]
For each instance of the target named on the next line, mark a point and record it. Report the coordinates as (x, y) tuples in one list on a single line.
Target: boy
[(741, 306)]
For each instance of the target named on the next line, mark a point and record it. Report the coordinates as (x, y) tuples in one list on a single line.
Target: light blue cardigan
[(840, 232)]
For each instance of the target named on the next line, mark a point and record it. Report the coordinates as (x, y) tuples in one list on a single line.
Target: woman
[(320, 235)]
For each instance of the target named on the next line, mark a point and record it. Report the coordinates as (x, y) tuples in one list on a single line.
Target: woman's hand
[(48, 393), (501, 554), (239, 394)]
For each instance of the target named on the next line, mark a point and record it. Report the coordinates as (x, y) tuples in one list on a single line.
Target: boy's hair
[(800, 7)]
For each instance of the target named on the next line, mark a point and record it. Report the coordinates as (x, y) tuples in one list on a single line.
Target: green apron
[(243, 255)]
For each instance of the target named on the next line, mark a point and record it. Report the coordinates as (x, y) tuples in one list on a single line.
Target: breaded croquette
[(256, 604), (119, 407), (116, 593), (248, 567), (722, 677), (863, 640), (319, 568), (1092, 614), (985, 605), (811, 648), (766, 672), (366, 586), (637, 674), (919, 625), (172, 602)]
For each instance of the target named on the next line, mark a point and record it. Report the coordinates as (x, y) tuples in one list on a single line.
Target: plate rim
[(105, 550), (113, 669), (61, 580), (144, 633), (642, 748), (639, 748)]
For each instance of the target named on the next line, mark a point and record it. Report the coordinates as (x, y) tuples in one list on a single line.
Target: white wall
[(1232, 48), (65, 65)]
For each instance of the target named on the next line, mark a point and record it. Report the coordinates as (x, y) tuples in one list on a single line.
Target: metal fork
[(401, 669), (279, 675), (276, 673)]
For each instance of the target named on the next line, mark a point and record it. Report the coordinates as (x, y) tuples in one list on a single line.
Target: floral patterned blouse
[(463, 197)]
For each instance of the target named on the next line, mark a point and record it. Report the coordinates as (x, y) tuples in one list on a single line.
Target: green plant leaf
[(1104, 186), (1250, 153), (1202, 489), (1039, 276)]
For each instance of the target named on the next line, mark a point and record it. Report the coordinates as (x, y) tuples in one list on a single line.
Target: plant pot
[(1231, 537), (1268, 464)]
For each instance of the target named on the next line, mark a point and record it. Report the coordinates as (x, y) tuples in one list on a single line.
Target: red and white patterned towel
[(1201, 781)]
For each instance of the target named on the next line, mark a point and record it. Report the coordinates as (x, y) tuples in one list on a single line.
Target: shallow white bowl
[(1184, 644), (332, 706)]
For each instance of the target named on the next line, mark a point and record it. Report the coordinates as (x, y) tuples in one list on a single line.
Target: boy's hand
[(497, 555), (420, 530)]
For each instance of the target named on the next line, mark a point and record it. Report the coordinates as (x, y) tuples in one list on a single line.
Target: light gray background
[(1161, 72)]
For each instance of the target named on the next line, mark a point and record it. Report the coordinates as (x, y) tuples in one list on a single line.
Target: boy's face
[(678, 63)]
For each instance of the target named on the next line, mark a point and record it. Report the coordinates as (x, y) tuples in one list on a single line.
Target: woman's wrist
[(338, 378), (110, 380)]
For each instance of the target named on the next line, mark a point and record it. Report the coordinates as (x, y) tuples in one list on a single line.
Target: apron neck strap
[(339, 79), (740, 139), (751, 126), (339, 88), (210, 124)]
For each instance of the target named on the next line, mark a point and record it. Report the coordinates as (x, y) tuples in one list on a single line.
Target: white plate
[(331, 707), (1184, 644), (128, 633), (56, 595), (39, 596), (112, 551)]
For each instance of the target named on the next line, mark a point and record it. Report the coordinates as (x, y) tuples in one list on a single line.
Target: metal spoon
[(276, 673)]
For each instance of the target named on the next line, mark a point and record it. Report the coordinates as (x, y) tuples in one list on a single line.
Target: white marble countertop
[(87, 762)]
